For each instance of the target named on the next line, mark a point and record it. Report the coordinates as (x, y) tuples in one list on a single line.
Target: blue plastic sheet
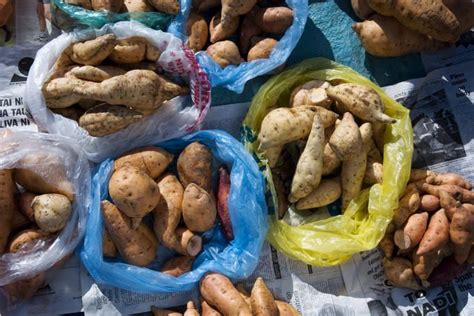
[(237, 259), (235, 77)]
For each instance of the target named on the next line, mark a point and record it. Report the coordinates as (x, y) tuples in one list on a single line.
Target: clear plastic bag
[(45, 254), (235, 77), (69, 17), (174, 118), (236, 259), (334, 240)]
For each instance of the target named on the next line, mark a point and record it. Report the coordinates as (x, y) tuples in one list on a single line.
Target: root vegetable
[(248, 30), (191, 310), (429, 203), (309, 167), (328, 191), (105, 119), (109, 5), (346, 141), (136, 6), (189, 244), (362, 9), (151, 160), (204, 5), (373, 172), (219, 291), (7, 205), (286, 309), (198, 209), (330, 161), (362, 101), (352, 177), (25, 240), (273, 20), (133, 192), (234, 8), (424, 265), (262, 50), (464, 11), (224, 53), (379, 135), (197, 31), (219, 32), (273, 154), (399, 271), (429, 17), (461, 232), (458, 193), (311, 93), (19, 221), (223, 190), (177, 266), (417, 175), (436, 235), (164, 312), (130, 50), (108, 246), (92, 52), (51, 211), (194, 166), (386, 244), (166, 6), (448, 178), (95, 73), (386, 37), (413, 232), (207, 310), (152, 53), (409, 204), (137, 246), (262, 301)]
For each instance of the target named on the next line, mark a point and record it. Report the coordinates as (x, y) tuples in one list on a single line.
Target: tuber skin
[(437, 234), (417, 175), (399, 271), (424, 265), (224, 53), (191, 310), (51, 211), (223, 190), (248, 30), (204, 5), (219, 32), (429, 203), (108, 246), (151, 160), (26, 239), (346, 140), (361, 9), (286, 309), (262, 50), (198, 208), (7, 205), (234, 8), (449, 178), (352, 177), (328, 191), (130, 50), (166, 6), (92, 52), (330, 160), (262, 301), (197, 31), (94, 73), (386, 244), (109, 5), (25, 289), (273, 155), (164, 312), (207, 310), (409, 204), (188, 243), (458, 193), (311, 93), (177, 266), (461, 233), (274, 20), (413, 232), (194, 166)]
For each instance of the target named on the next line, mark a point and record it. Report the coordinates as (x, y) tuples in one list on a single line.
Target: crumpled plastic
[(236, 259), (334, 240), (235, 77)]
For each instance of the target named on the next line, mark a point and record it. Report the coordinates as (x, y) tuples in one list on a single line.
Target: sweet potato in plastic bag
[(236, 259), (58, 160), (235, 77), (334, 240)]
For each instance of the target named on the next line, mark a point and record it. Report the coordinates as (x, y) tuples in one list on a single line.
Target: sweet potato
[(130, 50), (224, 53), (109, 5), (136, 6), (108, 246), (166, 6), (133, 192), (223, 190), (164, 312), (137, 246), (93, 52), (95, 73), (361, 9), (25, 240), (51, 211), (436, 235), (219, 32), (328, 191), (262, 301), (104, 119), (248, 30), (272, 20), (446, 272), (284, 125), (198, 208), (311, 93), (219, 292), (191, 310), (194, 166), (386, 37), (362, 101), (373, 172), (25, 289), (330, 161), (286, 309), (412, 232), (417, 175), (7, 205), (273, 155), (429, 203), (189, 244), (409, 204), (152, 160), (464, 11), (73, 113), (424, 265), (207, 310), (458, 193), (204, 5), (352, 177), (152, 53), (379, 135), (197, 31), (234, 8), (177, 266), (346, 141), (461, 232), (399, 271), (429, 17), (386, 244), (449, 178), (262, 49), (310, 164), (43, 172)]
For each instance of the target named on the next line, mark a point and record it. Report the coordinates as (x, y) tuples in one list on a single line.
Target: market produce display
[(397, 28), (106, 83), (429, 241), (258, 27), (165, 6), (221, 297)]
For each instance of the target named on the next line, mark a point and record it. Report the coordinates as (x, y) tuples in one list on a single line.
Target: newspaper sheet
[(442, 109)]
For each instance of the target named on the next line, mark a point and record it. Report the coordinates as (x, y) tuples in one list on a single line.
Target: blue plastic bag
[(235, 77), (237, 259)]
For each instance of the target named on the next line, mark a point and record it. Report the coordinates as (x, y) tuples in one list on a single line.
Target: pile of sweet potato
[(401, 27), (429, 241), (131, 6), (182, 206), (220, 297), (256, 28), (334, 157), (106, 83), (35, 205)]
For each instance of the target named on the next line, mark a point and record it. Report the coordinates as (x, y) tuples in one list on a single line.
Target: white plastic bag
[(175, 118), (44, 255)]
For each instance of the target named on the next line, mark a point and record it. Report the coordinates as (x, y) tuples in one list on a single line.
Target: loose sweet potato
[(248, 30), (136, 6), (449, 178), (429, 203), (262, 49), (424, 265), (273, 155), (352, 177), (272, 20), (189, 244), (328, 191), (108, 246), (207, 310), (197, 31), (373, 172), (330, 160), (204, 5), (194, 166), (461, 232), (198, 208), (417, 175), (177, 266), (224, 53), (93, 52), (51, 211), (137, 246), (164, 312), (234, 8), (223, 190), (346, 140), (26, 239), (412, 232), (191, 310), (166, 6), (386, 244), (311, 93), (86, 4), (361, 9), (436, 235), (109, 5), (130, 50), (7, 205), (152, 160), (262, 301), (409, 204), (219, 32), (399, 271), (458, 193)]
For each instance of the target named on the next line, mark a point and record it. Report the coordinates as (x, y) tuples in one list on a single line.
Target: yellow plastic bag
[(334, 240)]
